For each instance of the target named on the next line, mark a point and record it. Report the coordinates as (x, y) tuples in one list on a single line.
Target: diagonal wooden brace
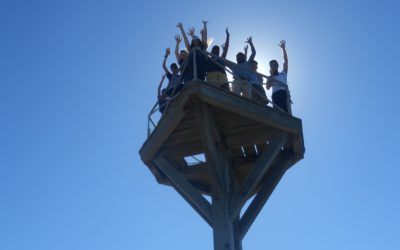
[(185, 188), (261, 167), (270, 181)]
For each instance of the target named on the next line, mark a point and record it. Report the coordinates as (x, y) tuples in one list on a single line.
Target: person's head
[(174, 68), (240, 57), (183, 54), (274, 66), (215, 50), (254, 65), (196, 42)]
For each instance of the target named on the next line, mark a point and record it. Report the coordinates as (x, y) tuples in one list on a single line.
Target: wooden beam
[(226, 231), (185, 188), (175, 112), (248, 109), (271, 180), (213, 148), (262, 166)]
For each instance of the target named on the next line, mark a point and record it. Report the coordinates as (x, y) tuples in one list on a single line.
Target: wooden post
[(225, 229)]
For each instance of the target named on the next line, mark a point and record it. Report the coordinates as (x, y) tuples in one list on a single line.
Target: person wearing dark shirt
[(188, 72), (161, 95), (180, 55), (175, 82), (215, 69)]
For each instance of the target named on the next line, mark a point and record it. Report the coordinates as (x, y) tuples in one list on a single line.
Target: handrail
[(215, 59)]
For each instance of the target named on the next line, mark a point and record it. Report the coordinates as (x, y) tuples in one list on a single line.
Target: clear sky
[(78, 78)]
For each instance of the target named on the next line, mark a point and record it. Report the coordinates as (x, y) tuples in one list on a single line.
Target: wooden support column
[(226, 230)]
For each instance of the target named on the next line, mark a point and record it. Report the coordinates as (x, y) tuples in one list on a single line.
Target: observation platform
[(245, 128), (247, 148)]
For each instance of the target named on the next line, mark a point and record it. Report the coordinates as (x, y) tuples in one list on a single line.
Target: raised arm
[(178, 40), (253, 50), (204, 35), (185, 39), (245, 51), (225, 47), (164, 64), (159, 86), (282, 44)]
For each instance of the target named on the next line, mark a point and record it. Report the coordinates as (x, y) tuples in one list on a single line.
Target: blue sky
[(78, 78)]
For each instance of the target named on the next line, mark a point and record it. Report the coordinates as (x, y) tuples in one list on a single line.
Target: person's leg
[(259, 94), (224, 79), (280, 99), (236, 86), (175, 91), (246, 89), (161, 104), (212, 76)]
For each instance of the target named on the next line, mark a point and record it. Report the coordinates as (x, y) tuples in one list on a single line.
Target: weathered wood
[(219, 124), (226, 235), (248, 109), (166, 125), (187, 191), (268, 185), (262, 165), (214, 151)]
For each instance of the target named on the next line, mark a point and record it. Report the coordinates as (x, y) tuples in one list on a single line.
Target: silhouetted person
[(256, 81), (188, 71), (242, 72), (175, 81), (215, 67), (278, 81), (180, 55)]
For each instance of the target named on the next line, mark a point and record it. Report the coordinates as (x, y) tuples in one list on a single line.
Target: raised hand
[(282, 44), (167, 51), (179, 25), (227, 32), (178, 38), (249, 40), (191, 32), (204, 22)]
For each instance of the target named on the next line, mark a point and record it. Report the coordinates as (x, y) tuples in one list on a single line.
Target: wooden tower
[(247, 148)]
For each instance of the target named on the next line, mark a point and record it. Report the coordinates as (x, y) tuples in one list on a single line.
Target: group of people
[(211, 67)]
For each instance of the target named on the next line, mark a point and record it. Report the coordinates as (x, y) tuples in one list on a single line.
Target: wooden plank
[(269, 183), (183, 187), (236, 152), (176, 111), (249, 150), (248, 109), (261, 147), (263, 164), (184, 149)]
